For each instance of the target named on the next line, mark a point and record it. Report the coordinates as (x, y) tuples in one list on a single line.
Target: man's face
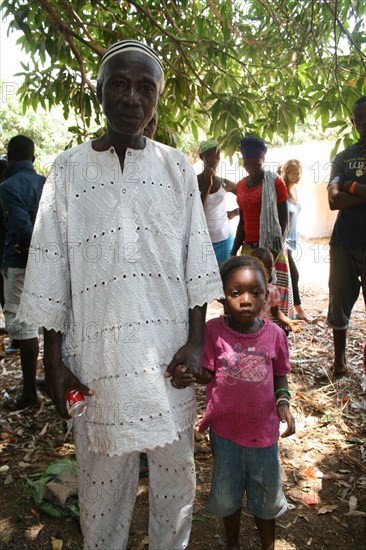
[(130, 92), (359, 119)]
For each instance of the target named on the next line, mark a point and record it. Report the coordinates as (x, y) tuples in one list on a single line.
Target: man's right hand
[(59, 381), (58, 378)]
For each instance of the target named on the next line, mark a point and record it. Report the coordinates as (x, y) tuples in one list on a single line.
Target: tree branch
[(61, 25), (80, 62), (349, 36), (170, 18), (231, 27), (79, 22), (123, 22), (150, 17)]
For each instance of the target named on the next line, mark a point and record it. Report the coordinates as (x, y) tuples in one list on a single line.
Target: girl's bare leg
[(232, 530), (266, 530)]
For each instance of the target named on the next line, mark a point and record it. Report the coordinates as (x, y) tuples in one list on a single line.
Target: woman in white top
[(213, 191)]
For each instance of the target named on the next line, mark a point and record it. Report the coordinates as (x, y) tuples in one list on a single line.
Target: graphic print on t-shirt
[(247, 364)]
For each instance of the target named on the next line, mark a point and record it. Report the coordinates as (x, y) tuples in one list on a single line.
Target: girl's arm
[(205, 184), (232, 213), (280, 383), (282, 396), (282, 210), (229, 186), (283, 319)]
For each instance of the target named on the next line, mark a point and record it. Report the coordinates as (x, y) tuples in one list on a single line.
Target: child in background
[(271, 308), (245, 364)]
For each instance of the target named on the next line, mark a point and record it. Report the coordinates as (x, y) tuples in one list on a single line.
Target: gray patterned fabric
[(270, 233)]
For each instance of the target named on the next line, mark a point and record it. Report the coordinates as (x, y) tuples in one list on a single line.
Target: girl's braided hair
[(239, 262)]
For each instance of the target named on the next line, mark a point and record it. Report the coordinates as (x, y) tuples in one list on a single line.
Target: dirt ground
[(323, 466)]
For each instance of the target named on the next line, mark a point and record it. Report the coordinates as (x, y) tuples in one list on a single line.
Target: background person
[(20, 193), (14, 345), (291, 174), (347, 268), (123, 303), (3, 167), (213, 194), (262, 200), (271, 310)]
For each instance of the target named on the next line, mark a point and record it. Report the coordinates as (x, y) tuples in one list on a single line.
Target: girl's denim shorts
[(238, 470)]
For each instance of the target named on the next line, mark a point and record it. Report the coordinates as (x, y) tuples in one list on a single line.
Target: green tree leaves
[(232, 66), (47, 130)]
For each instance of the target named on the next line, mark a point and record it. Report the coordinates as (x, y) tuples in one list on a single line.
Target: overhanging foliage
[(232, 67)]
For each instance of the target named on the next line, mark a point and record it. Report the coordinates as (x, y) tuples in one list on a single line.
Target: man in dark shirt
[(20, 193), (347, 193)]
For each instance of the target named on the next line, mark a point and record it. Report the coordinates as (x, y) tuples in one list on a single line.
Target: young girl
[(291, 173), (271, 307), (245, 364)]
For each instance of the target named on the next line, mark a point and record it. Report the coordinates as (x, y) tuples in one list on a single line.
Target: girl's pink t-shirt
[(240, 401)]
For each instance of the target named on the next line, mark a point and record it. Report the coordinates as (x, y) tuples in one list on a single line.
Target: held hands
[(185, 366), (285, 415), (181, 378)]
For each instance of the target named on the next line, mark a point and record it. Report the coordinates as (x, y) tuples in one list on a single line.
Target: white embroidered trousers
[(107, 494)]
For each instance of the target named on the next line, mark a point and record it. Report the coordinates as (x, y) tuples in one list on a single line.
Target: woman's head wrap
[(253, 148), (207, 145), (129, 46)]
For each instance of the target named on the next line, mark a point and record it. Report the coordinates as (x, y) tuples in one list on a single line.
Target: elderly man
[(121, 270)]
